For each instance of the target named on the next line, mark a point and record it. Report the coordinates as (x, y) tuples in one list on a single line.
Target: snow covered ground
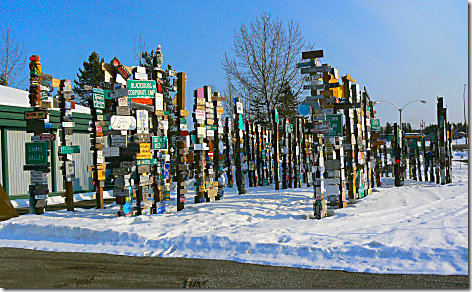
[(420, 228)]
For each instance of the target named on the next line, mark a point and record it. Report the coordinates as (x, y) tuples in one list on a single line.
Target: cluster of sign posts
[(333, 146)]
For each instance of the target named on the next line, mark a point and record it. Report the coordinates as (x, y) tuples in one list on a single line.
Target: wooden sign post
[(68, 167), (37, 152), (181, 144), (239, 145), (211, 186), (229, 155), (97, 143), (218, 153), (275, 146), (285, 173), (248, 145), (200, 146)]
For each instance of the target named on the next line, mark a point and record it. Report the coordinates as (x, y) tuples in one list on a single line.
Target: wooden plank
[(312, 54), (324, 68)]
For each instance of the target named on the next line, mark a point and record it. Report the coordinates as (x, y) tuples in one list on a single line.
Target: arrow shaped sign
[(323, 68), (314, 104)]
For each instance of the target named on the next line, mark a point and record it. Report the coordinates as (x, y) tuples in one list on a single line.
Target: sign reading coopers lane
[(36, 152), (141, 88)]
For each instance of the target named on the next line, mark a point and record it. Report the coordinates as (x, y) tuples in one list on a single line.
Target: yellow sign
[(143, 155), (145, 147)]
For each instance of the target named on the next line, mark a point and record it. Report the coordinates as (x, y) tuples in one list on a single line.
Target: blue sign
[(304, 110), (161, 207)]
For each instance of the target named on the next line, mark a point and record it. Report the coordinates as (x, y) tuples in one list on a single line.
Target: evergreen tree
[(388, 128), (93, 75), (288, 105), (3, 80)]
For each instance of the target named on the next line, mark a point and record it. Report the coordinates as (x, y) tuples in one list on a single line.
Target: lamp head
[(423, 101)]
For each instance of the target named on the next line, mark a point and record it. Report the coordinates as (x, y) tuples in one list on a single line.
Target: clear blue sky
[(398, 50)]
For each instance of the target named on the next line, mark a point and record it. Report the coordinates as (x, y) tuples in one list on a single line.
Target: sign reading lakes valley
[(141, 88)]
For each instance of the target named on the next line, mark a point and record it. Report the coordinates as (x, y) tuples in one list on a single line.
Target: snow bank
[(420, 228)]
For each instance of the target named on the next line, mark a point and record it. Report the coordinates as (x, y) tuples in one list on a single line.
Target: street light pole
[(465, 121)]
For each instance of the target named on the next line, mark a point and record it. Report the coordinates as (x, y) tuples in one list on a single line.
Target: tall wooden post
[(249, 153), (229, 152), (275, 146), (218, 155), (182, 166), (285, 154), (295, 153), (290, 154), (199, 147), (350, 140), (98, 142), (239, 144), (66, 150), (442, 138), (37, 151)]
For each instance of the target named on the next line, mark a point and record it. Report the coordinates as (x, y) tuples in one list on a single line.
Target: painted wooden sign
[(111, 151), (313, 54), (68, 124), (47, 137), (35, 115), (120, 92), (322, 86), (120, 68), (142, 121), (118, 140), (123, 123), (323, 68)]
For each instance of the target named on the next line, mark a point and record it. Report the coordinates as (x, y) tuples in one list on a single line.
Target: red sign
[(99, 129), (47, 137), (183, 133), (183, 199), (210, 153), (120, 68), (320, 128), (142, 100)]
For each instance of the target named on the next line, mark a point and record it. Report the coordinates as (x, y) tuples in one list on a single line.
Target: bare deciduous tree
[(264, 63), (13, 59)]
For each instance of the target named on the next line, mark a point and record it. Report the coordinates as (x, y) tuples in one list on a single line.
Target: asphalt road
[(22, 268)]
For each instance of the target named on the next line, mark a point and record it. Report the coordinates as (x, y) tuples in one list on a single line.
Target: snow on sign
[(141, 88), (123, 123)]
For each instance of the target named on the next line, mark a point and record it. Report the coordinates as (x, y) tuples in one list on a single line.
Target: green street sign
[(44, 94), (211, 127), (267, 146), (139, 162), (335, 125), (141, 88), (98, 100), (289, 128), (36, 152), (69, 149), (276, 116), (159, 142), (375, 124), (413, 145)]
